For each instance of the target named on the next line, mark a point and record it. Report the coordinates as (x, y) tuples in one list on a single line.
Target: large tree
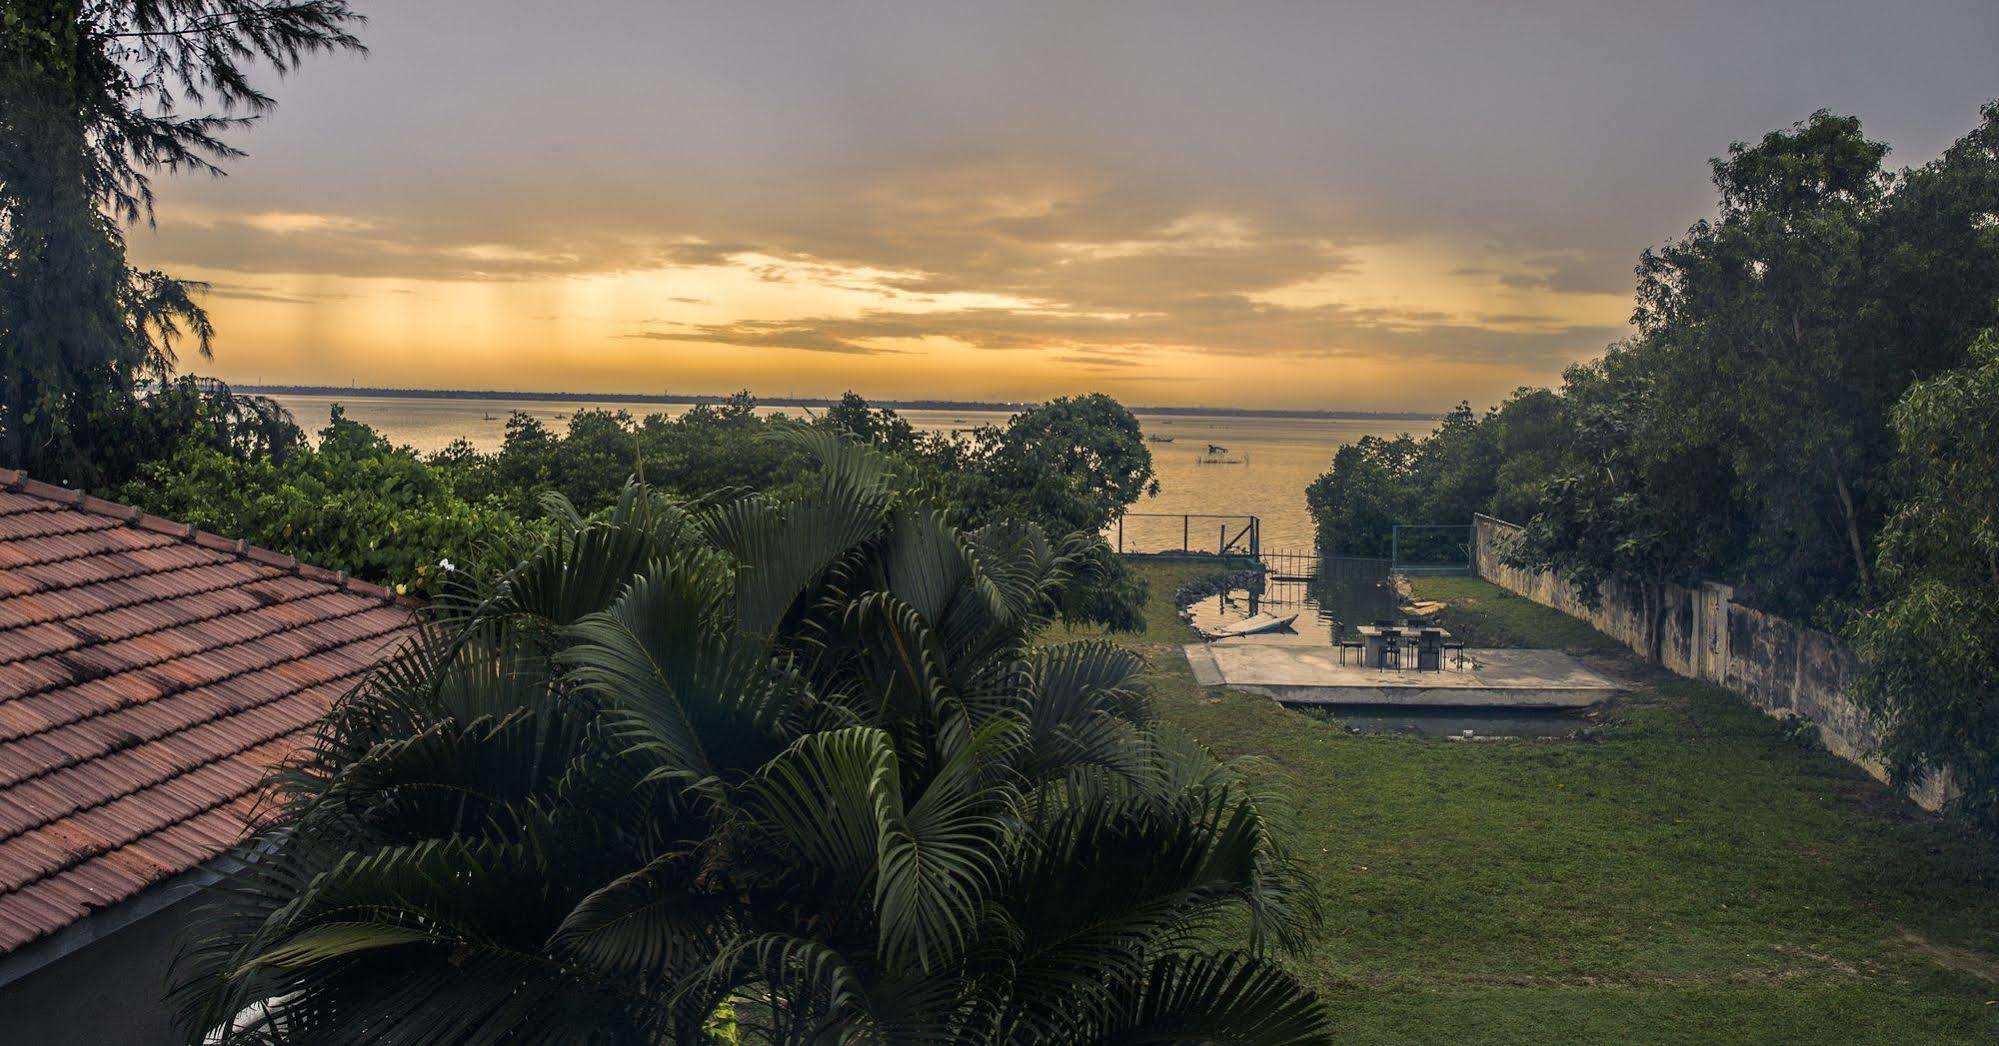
[(1931, 650), (1747, 316), (1630, 497), (96, 96), (1744, 435)]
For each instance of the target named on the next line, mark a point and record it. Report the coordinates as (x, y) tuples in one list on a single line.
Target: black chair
[(1429, 647), (1391, 649), (1357, 644), (1456, 649)]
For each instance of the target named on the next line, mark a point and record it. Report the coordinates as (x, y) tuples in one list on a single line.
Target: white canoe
[(1251, 626)]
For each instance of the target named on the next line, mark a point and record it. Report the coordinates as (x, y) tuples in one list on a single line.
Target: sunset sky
[(1365, 206)]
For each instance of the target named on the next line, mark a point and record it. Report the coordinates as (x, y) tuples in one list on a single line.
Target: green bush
[(355, 503)]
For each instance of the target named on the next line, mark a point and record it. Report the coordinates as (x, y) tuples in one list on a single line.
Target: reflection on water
[(1451, 722), (1347, 592)]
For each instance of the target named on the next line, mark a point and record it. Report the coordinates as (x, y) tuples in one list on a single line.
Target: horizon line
[(673, 398)]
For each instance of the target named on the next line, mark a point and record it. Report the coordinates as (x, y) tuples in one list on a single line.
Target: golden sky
[(1258, 205)]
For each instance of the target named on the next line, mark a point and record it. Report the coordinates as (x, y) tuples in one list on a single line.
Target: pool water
[(1453, 722), (1347, 593)]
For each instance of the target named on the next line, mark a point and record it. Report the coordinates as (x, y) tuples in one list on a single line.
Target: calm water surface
[(1277, 457), (1349, 592), (1452, 722)]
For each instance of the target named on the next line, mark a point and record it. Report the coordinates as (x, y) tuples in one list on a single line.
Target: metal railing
[(1186, 533), (1430, 548)]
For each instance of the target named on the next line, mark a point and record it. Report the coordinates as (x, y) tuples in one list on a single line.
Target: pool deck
[(1312, 675)]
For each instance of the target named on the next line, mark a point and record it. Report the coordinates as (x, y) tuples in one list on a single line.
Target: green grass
[(1483, 614), (1689, 874)]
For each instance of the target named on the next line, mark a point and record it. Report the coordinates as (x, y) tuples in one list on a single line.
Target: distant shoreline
[(800, 401)]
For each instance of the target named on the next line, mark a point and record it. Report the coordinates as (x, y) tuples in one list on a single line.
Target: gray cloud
[(1229, 325), (1139, 173), (246, 292), (808, 337)]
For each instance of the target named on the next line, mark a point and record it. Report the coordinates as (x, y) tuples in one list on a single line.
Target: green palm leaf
[(818, 803), (655, 922), (1217, 999), (941, 858), (688, 692), (783, 547)]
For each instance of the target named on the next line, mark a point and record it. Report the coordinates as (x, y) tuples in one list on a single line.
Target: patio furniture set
[(1385, 645)]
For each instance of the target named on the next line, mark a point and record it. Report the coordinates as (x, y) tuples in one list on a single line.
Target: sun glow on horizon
[(786, 324)]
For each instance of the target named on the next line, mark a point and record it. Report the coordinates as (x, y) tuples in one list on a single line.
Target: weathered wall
[(1779, 666)]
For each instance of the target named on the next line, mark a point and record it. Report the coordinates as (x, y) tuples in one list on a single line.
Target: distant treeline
[(815, 402)]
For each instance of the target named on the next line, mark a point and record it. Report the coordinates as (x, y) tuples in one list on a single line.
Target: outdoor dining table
[(1376, 638)]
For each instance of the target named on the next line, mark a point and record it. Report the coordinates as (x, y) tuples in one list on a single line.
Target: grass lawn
[(1689, 874)]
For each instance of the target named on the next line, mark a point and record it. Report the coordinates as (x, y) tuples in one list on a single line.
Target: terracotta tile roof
[(150, 674)]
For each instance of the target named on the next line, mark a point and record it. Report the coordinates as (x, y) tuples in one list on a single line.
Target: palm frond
[(1220, 999), (783, 547), (819, 804), (655, 922), (941, 858), (790, 988), (684, 688)]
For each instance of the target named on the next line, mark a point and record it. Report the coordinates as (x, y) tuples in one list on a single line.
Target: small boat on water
[(1158, 439), (1253, 626)]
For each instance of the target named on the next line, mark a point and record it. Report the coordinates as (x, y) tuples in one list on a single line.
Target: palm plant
[(768, 771)]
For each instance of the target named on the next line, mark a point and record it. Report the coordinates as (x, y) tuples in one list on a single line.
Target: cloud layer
[(1285, 204)]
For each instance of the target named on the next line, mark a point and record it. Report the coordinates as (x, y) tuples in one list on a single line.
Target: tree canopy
[(95, 96), (1930, 650), (1802, 414), (782, 769), (1743, 434)]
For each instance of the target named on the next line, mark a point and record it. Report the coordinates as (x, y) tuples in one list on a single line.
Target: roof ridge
[(18, 481)]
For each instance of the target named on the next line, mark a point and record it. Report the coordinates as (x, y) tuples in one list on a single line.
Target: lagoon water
[(1277, 457)]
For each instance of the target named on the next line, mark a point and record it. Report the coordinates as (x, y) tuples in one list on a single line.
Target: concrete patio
[(1496, 678)]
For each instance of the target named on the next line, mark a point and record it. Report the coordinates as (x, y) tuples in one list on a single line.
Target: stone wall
[(1779, 666)]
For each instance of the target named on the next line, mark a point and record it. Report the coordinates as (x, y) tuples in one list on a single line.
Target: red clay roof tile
[(150, 675)]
